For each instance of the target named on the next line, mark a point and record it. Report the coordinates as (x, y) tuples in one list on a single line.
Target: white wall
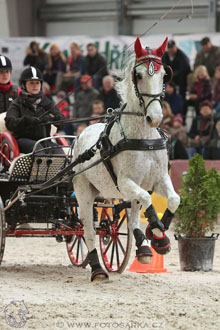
[(81, 28), (4, 26)]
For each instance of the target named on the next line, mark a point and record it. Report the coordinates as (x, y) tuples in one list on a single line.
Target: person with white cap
[(29, 111), (8, 91)]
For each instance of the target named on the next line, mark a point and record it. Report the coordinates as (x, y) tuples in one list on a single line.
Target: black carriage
[(28, 209)]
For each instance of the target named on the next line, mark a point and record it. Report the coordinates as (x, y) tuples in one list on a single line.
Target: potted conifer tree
[(196, 216)]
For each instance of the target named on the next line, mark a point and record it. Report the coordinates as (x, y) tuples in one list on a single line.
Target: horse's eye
[(139, 76)]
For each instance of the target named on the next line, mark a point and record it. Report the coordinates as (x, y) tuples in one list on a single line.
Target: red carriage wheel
[(115, 245), (8, 149), (2, 230), (77, 249)]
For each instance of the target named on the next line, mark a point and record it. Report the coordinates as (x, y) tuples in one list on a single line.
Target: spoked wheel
[(2, 230), (77, 249), (116, 245), (9, 149)]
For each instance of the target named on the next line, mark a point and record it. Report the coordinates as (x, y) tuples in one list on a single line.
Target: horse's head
[(148, 76)]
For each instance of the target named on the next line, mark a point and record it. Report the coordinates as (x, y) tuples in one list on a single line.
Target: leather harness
[(108, 151)]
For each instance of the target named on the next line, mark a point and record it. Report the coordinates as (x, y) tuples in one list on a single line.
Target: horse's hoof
[(144, 254), (149, 233), (161, 244), (144, 259), (99, 275)]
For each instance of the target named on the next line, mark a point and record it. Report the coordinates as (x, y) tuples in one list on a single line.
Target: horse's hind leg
[(85, 194), (143, 251)]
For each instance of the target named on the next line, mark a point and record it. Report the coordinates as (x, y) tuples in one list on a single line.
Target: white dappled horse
[(137, 171)]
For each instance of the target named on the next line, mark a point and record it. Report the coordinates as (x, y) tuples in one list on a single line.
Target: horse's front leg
[(161, 243), (143, 251), (132, 191), (165, 189)]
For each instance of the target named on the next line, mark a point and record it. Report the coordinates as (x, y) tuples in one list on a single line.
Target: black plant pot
[(196, 253)]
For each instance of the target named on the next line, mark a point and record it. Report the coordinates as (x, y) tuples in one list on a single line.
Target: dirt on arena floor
[(55, 295)]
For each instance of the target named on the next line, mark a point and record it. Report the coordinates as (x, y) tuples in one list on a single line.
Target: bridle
[(154, 97)]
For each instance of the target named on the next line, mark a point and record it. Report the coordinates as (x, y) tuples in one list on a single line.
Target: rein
[(107, 151)]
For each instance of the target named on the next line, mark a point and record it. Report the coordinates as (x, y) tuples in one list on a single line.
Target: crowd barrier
[(179, 166)]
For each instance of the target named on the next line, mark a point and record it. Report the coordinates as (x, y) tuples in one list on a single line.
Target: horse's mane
[(124, 86)]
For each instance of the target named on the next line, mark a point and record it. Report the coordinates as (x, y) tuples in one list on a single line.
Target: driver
[(29, 111)]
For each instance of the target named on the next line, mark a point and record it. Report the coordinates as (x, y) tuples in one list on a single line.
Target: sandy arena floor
[(58, 296)]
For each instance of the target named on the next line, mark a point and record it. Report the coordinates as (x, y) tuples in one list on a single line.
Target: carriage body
[(28, 211)]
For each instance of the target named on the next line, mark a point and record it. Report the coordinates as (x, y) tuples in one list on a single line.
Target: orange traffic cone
[(156, 265)]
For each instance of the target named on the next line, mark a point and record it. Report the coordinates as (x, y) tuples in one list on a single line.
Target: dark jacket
[(83, 101), (202, 126), (39, 61), (8, 93), (176, 102), (177, 149), (110, 99), (210, 59), (213, 149), (96, 65), (17, 122), (181, 68), (77, 64)]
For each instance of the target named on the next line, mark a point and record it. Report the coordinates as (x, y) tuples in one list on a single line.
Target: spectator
[(62, 104), (179, 130), (80, 127), (56, 63), (179, 62), (95, 65), (216, 96), (201, 130), (84, 98), (46, 89), (94, 121), (175, 100), (29, 110), (176, 147), (71, 79), (201, 88), (209, 56), (213, 149), (167, 115), (98, 107), (8, 91), (108, 94), (36, 57)]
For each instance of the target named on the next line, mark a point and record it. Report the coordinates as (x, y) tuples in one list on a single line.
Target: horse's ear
[(160, 50), (138, 48)]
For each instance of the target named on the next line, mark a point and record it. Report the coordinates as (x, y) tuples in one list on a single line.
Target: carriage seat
[(31, 168)]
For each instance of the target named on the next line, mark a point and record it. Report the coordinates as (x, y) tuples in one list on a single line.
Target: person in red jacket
[(8, 91)]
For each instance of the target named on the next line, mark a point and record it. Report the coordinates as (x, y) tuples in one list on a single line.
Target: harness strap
[(135, 144)]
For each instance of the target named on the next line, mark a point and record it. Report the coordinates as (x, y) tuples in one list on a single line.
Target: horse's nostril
[(149, 120)]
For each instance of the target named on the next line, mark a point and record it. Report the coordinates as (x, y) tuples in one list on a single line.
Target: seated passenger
[(28, 115), (8, 91)]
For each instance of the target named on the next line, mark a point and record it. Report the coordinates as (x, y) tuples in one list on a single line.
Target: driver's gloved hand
[(32, 120), (46, 119)]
